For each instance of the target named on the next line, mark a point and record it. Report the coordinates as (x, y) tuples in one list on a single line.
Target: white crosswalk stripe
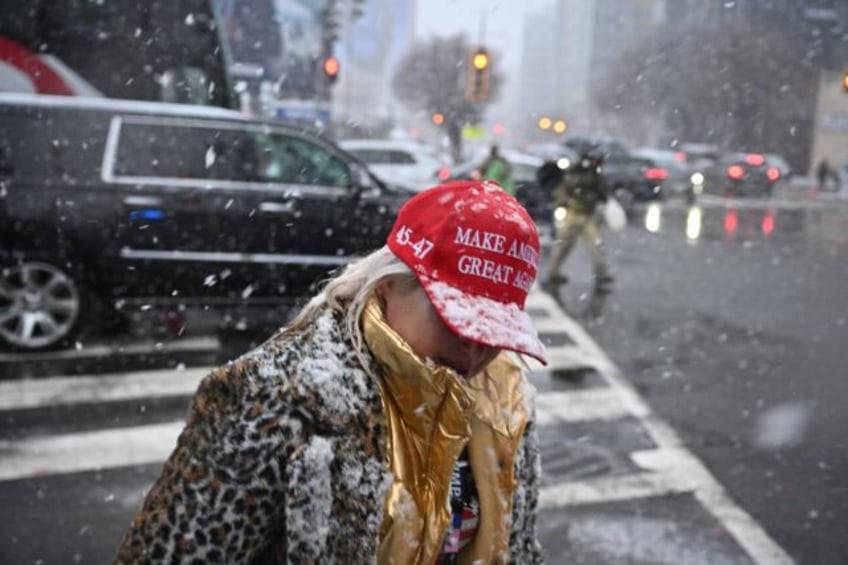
[(578, 406), (193, 344), (58, 391), (88, 451), (665, 469)]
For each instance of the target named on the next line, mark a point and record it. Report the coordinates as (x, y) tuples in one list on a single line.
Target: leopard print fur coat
[(283, 460)]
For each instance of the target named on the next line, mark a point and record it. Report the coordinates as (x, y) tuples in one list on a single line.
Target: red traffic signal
[(331, 68)]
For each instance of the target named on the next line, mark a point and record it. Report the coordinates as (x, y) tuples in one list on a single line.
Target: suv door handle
[(142, 201), (277, 207)]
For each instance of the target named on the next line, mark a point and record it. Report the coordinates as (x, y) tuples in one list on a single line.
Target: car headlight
[(560, 213)]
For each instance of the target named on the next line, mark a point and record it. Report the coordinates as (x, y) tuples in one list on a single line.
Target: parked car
[(700, 156), (670, 170), (774, 160), (523, 167), (632, 179), (109, 203), (742, 174), (402, 162)]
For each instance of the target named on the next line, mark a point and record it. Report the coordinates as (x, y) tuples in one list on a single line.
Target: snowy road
[(607, 460)]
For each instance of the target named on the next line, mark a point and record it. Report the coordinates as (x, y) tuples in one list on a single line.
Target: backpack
[(549, 175)]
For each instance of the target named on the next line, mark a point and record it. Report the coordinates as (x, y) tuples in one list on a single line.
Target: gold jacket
[(432, 415)]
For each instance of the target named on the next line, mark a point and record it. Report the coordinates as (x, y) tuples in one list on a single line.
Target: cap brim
[(485, 321)]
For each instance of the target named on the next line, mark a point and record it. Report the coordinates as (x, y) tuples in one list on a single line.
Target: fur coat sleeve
[(524, 546), (280, 461)]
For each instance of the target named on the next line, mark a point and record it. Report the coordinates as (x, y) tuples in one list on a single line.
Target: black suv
[(109, 203)]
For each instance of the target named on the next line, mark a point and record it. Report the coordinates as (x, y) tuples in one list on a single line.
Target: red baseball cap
[(475, 250)]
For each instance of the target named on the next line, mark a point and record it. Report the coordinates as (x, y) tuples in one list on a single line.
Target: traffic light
[(331, 67), (477, 86), (845, 81)]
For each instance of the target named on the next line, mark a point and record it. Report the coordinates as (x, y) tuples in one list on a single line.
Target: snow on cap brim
[(485, 321)]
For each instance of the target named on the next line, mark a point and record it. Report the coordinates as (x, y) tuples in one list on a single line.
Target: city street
[(700, 423), (179, 179)]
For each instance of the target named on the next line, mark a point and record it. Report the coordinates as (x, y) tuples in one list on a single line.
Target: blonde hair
[(349, 291)]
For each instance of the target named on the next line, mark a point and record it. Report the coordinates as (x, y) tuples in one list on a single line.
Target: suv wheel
[(40, 305)]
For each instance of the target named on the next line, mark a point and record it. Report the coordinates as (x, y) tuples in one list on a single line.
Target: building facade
[(570, 49), (556, 66), (373, 42)]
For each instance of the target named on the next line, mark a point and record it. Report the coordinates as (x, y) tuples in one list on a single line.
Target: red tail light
[(736, 172), (755, 159), (444, 174), (731, 221), (656, 174), (768, 222), (773, 174)]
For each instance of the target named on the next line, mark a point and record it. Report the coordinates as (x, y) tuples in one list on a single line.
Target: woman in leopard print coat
[(339, 441)]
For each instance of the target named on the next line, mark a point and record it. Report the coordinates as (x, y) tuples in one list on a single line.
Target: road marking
[(579, 406), (87, 451), (194, 344), (612, 489), (670, 468), (90, 389), (566, 357), (678, 465), (582, 354)]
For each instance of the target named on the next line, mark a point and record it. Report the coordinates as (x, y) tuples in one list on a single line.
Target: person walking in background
[(580, 191), (824, 174), (386, 423), (497, 168)]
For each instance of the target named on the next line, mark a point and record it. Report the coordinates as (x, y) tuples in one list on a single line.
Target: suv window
[(215, 154), (290, 160), (167, 151), (65, 146)]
